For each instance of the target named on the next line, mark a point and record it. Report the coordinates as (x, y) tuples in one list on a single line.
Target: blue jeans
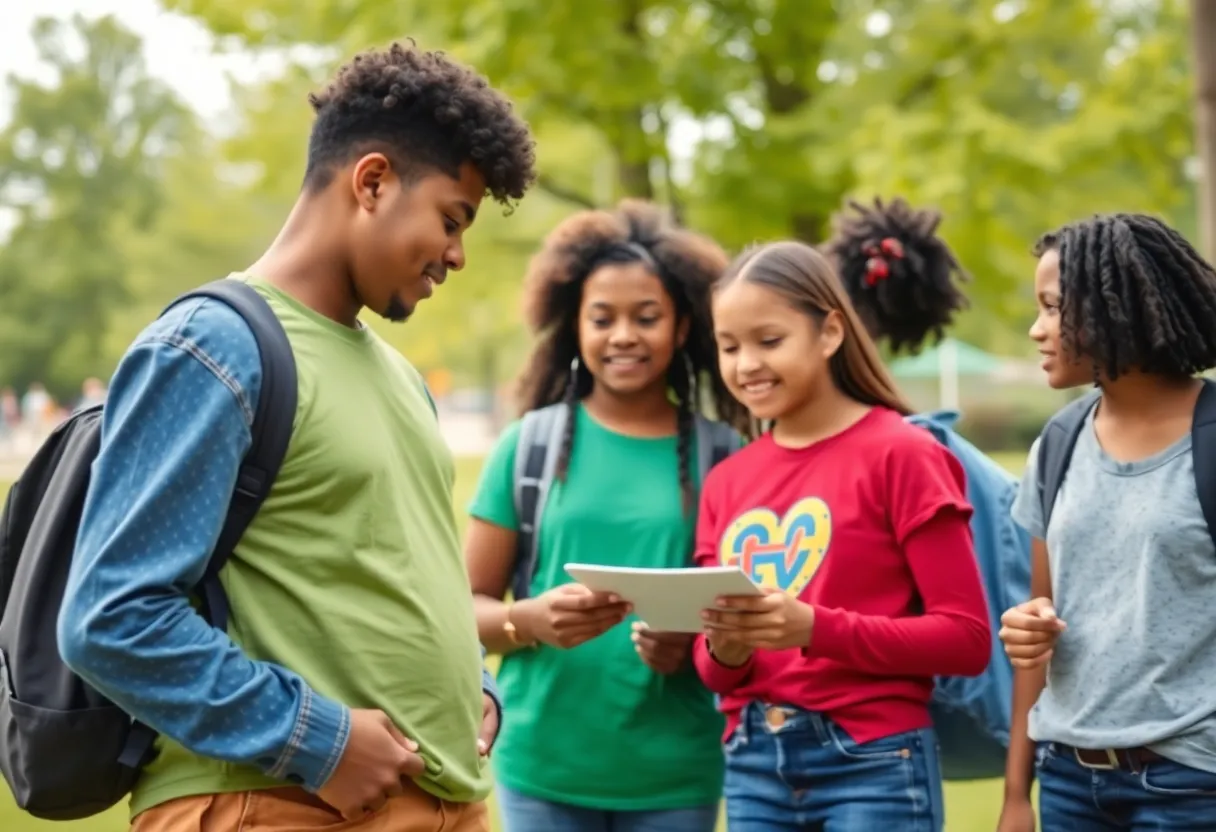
[(1163, 795), (789, 769), (520, 813)]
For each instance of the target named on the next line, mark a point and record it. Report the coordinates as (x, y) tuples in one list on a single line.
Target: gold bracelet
[(508, 627)]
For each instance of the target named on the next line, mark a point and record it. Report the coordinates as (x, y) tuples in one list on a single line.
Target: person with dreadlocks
[(1116, 707), (594, 739)]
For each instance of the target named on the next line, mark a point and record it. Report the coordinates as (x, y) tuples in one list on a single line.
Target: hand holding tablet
[(668, 600)]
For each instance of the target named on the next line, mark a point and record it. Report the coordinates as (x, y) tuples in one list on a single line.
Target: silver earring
[(574, 365)]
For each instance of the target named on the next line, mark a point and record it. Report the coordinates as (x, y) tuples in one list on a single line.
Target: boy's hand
[(489, 725), (377, 759), (1016, 816)]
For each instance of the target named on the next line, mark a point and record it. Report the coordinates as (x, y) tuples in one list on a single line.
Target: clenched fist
[(1029, 632)]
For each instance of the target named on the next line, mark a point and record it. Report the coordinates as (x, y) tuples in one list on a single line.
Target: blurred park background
[(147, 147)]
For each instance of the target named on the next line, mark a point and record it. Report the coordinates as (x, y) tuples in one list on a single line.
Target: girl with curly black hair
[(1123, 730), (604, 728)]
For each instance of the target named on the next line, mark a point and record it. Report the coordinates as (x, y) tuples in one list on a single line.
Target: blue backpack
[(972, 716), (536, 451)]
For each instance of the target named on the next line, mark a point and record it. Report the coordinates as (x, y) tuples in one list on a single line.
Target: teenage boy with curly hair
[(348, 688)]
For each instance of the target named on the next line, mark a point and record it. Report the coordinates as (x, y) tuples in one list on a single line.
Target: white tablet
[(669, 600)]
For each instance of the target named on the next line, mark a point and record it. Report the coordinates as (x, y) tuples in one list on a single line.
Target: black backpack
[(65, 750), (1059, 437)]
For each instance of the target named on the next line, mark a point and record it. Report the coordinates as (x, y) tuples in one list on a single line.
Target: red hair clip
[(876, 270), (892, 247)]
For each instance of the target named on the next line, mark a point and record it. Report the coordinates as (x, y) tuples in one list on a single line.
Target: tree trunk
[(633, 165), (784, 97), (1203, 44), (632, 150)]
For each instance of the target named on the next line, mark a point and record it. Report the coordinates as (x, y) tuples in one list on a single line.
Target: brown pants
[(295, 810)]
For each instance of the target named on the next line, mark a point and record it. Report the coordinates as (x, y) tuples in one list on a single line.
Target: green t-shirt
[(594, 726), (351, 573)]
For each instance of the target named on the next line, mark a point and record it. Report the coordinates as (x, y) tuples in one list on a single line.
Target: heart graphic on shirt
[(780, 553)]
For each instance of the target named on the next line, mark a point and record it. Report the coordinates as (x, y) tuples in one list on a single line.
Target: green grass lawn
[(970, 807)]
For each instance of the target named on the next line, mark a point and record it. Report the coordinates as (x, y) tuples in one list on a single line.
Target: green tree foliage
[(756, 118), (80, 158), (211, 226), (119, 201)]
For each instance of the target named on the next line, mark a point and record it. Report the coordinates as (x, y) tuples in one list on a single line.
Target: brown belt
[(1129, 759)]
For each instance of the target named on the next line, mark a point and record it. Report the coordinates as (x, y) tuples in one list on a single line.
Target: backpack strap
[(536, 452), (270, 433), (1059, 438), (1056, 444), (1203, 452), (715, 442)]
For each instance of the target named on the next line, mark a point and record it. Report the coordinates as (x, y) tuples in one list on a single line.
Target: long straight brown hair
[(807, 281)]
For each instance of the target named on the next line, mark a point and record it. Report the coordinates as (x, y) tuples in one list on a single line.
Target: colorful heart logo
[(783, 553)]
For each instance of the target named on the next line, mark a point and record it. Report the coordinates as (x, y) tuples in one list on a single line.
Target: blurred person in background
[(92, 392), (10, 413), (37, 408)]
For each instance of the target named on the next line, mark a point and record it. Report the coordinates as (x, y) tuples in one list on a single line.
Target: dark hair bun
[(901, 276)]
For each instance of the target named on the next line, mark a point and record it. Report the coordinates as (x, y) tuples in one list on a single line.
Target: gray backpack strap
[(540, 436), (1203, 452), (1056, 443), (715, 442)]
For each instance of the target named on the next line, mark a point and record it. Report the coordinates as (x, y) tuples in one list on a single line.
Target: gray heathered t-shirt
[(1133, 575)]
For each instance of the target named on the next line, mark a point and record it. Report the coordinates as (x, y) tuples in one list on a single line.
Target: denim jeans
[(1163, 795), (520, 813), (789, 769)]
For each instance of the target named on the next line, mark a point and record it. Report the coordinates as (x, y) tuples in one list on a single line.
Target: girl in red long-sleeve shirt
[(855, 523)]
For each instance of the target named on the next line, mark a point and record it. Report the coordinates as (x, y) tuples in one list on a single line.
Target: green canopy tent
[(947, 362)]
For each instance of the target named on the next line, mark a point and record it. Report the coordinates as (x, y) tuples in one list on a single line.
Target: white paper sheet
[(669, 600)]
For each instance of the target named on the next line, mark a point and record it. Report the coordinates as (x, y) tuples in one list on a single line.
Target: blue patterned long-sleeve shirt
[(175, 428)]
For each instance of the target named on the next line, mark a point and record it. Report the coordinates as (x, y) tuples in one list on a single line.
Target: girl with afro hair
[(605, 727)]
